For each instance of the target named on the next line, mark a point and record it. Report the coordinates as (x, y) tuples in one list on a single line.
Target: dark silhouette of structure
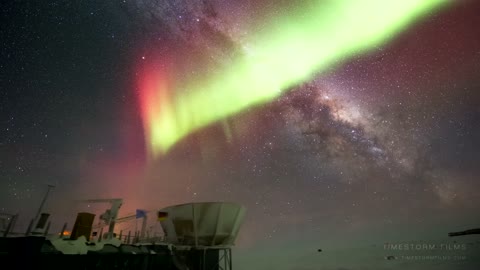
[(467, 232)]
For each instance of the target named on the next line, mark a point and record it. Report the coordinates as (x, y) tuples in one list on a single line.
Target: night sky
[(381, 146)]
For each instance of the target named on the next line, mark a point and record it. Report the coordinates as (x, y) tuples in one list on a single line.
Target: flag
[(140, 213), (162, 216)]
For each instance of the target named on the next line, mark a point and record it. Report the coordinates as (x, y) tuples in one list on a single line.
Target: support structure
[(110, 215), (11, 223), (467, 232), (224, 259), (40, 208), (144, 226)]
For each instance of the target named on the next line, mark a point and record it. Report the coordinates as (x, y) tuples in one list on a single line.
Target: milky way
[(380, 147)]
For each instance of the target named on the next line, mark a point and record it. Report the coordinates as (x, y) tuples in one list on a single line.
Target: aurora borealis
[(339, 125), (290, 51)]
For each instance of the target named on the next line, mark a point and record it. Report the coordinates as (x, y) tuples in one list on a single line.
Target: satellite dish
[(202, 224)]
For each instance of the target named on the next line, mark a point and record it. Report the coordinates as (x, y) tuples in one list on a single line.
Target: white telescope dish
[(202, 224)]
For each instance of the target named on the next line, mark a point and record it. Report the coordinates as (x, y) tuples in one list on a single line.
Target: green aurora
[(287, 52)]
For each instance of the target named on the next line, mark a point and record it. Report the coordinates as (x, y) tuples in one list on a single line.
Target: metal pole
[(29, 229), (144, 226), (43, 202), (14, 221), (101, 235), (111, 227), (230, 258), (63, 230), (10, 225), (48, 228), (194, 225)]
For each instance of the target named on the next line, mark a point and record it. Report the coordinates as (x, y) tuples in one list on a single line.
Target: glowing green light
[(295, 49)]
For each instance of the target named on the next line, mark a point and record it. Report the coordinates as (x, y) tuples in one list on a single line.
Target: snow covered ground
[(451, 254)]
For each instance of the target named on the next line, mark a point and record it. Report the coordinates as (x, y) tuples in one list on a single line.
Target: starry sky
[(382, 146)]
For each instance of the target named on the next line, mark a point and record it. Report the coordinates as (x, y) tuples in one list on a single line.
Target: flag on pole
[(140, 213)]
